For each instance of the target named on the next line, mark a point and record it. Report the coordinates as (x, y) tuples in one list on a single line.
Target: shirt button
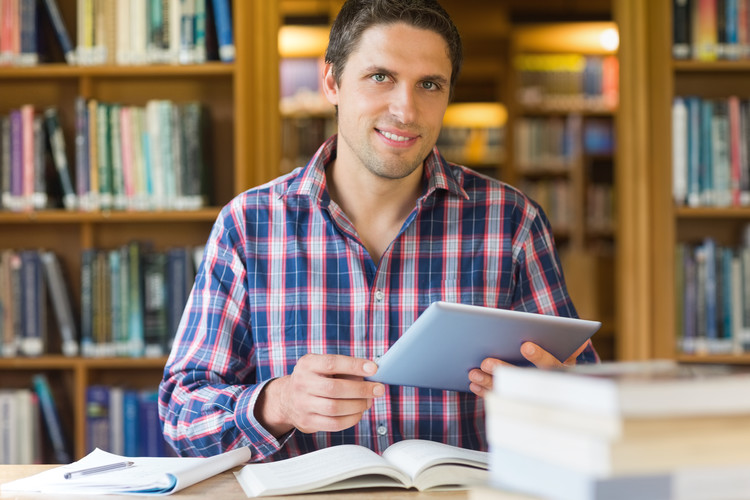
[(379, 295), (382, 430)]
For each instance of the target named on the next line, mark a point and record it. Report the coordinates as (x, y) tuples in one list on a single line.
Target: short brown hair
[(356, 16)]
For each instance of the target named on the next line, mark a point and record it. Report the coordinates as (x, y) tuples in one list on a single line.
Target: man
[(309, 278)]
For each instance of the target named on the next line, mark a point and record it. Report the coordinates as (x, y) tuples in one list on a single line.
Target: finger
[(320, 423), (338, 364), (344, 388), (573, 357), (538, 356), (338, 407)]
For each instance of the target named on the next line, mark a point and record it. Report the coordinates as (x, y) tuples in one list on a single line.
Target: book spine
[(224, 30), (119, 201), (104, 149), (51, 418), (34, 317), (88, 258), (39, 197), (5, 163), (679, 151), (187, 32), (131, 427), (61, 303), (155, 303), (135, 301), (60, 157), (61, 32), (681, 29), (93, 156), (29, 55), (82, 155), (27, 155), (97, 418), (12, 334), (200, 31)]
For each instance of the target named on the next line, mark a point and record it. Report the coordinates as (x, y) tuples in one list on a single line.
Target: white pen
[(98, 469)]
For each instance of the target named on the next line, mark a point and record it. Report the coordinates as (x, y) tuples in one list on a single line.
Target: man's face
[(391, 99)]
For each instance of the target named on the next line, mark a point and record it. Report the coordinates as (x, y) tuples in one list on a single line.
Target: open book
[(143, 476), (412, 463)]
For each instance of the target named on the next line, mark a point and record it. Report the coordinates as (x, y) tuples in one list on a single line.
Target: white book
[(519, 472), (655, 388), (679, 151), (412, 463)]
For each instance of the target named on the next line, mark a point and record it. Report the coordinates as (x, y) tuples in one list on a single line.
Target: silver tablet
[(448, 340)]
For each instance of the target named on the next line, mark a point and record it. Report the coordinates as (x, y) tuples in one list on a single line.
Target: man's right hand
[(325, 392)]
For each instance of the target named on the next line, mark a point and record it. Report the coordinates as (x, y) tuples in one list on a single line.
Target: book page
[(413, 456), (318, 470)]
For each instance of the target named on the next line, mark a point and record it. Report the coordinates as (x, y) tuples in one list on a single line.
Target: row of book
[(124, 421), (31, 430), (713, 298), (120, 32), (150, 157), (650, 430), (555, 197), (568, 81), (472, 145), (707, 30), (544, 144), (710, 151), (132, 300)]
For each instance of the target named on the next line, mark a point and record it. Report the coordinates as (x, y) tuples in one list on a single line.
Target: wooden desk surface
[(225, 487)]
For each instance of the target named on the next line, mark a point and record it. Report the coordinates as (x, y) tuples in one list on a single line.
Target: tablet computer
[(448, 340)]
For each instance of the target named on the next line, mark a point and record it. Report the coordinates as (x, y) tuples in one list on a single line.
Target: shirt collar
[(311, 180)]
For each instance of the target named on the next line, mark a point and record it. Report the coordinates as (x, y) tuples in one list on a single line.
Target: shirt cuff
[(264, 442)]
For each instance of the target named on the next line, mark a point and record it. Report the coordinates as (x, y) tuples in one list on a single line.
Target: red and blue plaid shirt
[(284, 274)]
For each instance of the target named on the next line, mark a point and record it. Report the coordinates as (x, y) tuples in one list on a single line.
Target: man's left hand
[(481, 378)]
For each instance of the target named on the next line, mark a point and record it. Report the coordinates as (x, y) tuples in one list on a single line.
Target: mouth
[(394, 138)]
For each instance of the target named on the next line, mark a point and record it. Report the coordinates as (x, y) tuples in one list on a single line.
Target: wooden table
[(224, 486)]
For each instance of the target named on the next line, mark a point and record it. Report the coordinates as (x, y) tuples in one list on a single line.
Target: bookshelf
[(673, 223), (561, 152), (244, 141)]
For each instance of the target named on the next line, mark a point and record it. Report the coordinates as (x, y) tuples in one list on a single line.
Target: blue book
[(706, 155), (29, 54), (131, 427), (33, 303), (694, 151), (152, 439), (97, 418), (51, 417), (60, 30), (224, 31)]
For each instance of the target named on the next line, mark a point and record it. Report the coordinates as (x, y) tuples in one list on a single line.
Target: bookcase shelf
[(677, 228), (244, 150)]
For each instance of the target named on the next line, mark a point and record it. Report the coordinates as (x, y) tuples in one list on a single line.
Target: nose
[(403, 105)]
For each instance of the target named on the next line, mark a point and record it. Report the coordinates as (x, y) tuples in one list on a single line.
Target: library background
[(126, 125)]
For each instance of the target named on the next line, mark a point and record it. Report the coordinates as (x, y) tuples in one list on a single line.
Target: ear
[(330, 88)]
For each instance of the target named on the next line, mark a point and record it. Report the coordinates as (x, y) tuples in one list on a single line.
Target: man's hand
[(325, 392), (481, 378)]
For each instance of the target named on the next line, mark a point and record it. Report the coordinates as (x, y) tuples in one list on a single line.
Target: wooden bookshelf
[(563, 185), (655, 224), (244, 140)]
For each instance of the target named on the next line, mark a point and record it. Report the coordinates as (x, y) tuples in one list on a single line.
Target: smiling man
[(308, 279)]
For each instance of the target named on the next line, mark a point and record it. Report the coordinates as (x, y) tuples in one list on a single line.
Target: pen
[(98, 469)]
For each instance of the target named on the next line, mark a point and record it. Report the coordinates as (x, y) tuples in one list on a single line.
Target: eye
[(379, 77), (430, 85)]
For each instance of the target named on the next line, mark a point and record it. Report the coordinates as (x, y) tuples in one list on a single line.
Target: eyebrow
[(437, 78)]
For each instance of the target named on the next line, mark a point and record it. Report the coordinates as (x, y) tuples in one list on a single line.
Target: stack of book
[(647, 430)]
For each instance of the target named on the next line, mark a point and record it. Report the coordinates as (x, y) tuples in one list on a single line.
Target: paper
[(147, 476)]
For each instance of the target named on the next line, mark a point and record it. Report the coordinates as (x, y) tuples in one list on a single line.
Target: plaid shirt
[(284, 274)]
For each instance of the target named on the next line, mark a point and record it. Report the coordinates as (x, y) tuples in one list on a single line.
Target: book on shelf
[(710, 30), (709, 151), (144, 476), (58, 152), (97, 418), (712, 297), (51, 417), (61, 303), (19, 427), (61, 31), (412, 463), (571, 82)]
